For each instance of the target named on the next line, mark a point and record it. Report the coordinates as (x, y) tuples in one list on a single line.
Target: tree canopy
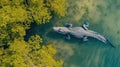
[(15, 18), (29, 54)]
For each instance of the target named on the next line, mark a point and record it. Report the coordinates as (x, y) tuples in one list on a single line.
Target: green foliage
[(35, 42), (42, 55), (58, 7), (12, 14), (40, 13), (29, 54), (15, 18)]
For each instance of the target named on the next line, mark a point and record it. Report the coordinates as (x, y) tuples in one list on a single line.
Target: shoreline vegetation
[(16, 16)]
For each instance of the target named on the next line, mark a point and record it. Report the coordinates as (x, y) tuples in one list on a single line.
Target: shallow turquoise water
[(104, 18)]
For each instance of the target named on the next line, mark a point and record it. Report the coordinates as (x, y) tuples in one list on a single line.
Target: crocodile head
[(61, 30)]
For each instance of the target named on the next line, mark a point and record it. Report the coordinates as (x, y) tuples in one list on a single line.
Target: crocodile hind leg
[(85, 38)]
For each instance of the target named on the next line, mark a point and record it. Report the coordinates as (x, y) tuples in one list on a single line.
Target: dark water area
[(104, 18)]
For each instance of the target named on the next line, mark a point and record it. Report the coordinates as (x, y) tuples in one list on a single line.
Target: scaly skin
[(79, 32)]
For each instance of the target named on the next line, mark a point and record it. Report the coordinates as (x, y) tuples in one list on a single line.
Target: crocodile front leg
[(67, 36)]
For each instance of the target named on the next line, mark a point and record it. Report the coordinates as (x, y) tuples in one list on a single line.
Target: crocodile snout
[(55, 28)]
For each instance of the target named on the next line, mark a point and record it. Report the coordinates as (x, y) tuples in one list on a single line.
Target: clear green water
[(104, 18)]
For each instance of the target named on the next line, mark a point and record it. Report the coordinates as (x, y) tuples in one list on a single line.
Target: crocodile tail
[(101, 38), (108, 42)]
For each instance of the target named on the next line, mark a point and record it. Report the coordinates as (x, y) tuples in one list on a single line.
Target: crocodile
[(81, 32)]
